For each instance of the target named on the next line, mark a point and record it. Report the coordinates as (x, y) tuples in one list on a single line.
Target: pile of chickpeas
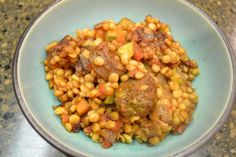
[(82, 105)]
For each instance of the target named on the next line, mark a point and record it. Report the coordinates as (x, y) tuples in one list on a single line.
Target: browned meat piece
[(63, 52), (151, 129), (86, 63), (143, 35), (108, 138), (111, 59), (162, 112), (108, 135), (79, 69), (59, 47), (148, 130), (112, 62), (147, 36), (159, 39), (136, 97), (179, 129)]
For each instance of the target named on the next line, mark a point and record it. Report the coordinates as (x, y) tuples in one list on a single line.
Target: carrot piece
[(99, 33), (101, 90), (106, 144), (121, 35), (138, 53), (82, 107), (138, 56), (64, 118), (117, 127)]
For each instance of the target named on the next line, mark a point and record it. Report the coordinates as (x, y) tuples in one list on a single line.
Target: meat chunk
[(143, 35), (108, 138), (111, 60), (136, 97), (79, 68), (108, 135), (179, 129), (151, 129), (64, 54), (148, 130)]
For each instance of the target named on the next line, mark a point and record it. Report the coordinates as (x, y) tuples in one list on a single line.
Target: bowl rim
[(67, 150)]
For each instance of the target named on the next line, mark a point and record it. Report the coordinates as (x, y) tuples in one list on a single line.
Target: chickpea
[(139, 75), (99, 61), (114, 77), (94, 117), (155, 68), (124, 77), (166, 59)]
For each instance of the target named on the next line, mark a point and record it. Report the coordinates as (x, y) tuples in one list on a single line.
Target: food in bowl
[(122, 81)]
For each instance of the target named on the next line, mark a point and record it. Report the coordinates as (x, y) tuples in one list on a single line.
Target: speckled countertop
[(18, 139)]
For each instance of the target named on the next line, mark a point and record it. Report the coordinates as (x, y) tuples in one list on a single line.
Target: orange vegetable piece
[(106, 144), (82, 107), (138, 53), (101, 89), (121, 36), (99, 33), (64, 118)]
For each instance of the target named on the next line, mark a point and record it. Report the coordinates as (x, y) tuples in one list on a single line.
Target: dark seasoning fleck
[(15, 15)]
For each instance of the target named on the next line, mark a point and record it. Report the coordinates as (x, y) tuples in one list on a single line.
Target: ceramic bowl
[(202, 39)]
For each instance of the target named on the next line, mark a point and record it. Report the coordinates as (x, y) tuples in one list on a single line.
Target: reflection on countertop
[(17, 137)]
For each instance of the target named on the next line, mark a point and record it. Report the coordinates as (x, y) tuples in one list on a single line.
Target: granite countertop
[(17, 137)]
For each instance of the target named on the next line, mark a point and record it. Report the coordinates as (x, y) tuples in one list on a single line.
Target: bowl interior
[(190, 28)]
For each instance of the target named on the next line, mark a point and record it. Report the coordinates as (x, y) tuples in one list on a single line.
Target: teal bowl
[(195, 31)]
